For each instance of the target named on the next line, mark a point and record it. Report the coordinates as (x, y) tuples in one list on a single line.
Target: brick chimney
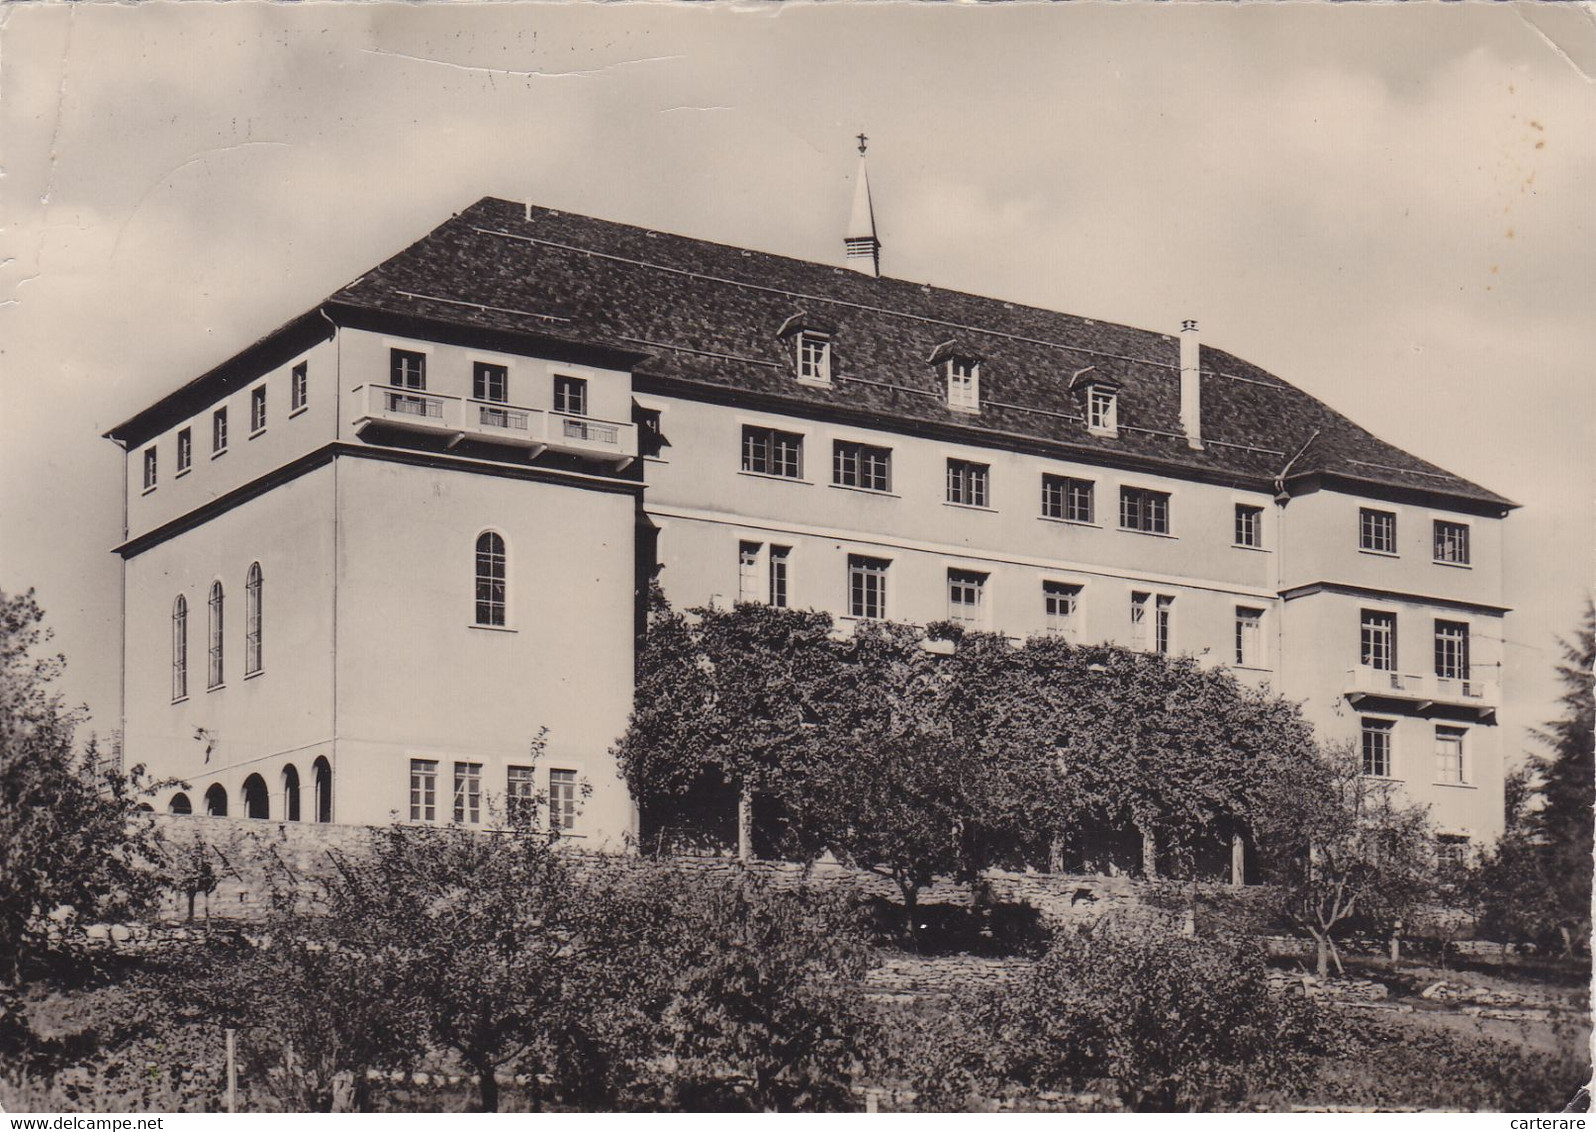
[(863, 249), (1191, 385)]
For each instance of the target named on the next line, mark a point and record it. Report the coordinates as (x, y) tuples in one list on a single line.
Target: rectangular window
[(964, 384), (1452, 650), (650, 437), (965, 593), (1377, 747), (185, 450), (1066, 498), (1145, 511), (1377, 530), (1249, 637), (407, 369), (423, 790), (1138, 618), (570, 396), (778, 575), (814, 358), (468, 793), (771, 452), (1249, 525), (748, 571), (520, 795), (150, 461), (1163, 625), (1451, 856), (562, 800), (299, 387), (967, 483), (257, 408), (1452, 542), (219, 431), (1060, 603), (1378, 641), (490, 382), (861, 465), (1102, 410), (867, 586), (1449, 755)]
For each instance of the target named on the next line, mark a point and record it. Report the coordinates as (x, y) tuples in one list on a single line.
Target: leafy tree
[(1567, 788), (1535, 882), (314, 1016), (66, 839), (478, 931), (1343, 847), (752, 991)]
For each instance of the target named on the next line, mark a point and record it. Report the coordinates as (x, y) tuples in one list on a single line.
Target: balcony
[(535, 431), (1424, 690)]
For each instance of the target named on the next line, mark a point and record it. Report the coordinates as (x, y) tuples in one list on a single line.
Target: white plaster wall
[(253, 724), (287, 435), (416, 678)]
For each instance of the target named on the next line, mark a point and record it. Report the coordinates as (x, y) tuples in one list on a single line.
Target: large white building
[(372, 556)]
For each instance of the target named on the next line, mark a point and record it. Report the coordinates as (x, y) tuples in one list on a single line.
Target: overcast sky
[(1389, 206)]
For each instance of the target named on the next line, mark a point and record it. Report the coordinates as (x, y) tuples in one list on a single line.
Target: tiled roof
[(709, 314)]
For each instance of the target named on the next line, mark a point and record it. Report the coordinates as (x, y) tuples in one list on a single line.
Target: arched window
[(216, 801), (291, 792), (252, 595), (214, 677), (179, 648), (323, 771), (490, 578), (180, 805), (256, 804)]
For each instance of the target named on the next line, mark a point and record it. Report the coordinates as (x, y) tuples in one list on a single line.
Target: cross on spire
[(862, 140)]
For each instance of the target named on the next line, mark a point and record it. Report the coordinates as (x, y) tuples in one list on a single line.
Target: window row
[(1450, 762), (1377, 646), (215, 636), (490, 381), (868, 467), (257, 799), (298, 398), (763, 576), (813, 360), (521, 799), (1377, 533)]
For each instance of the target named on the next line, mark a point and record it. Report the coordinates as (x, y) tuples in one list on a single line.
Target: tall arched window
[(180, 804), (323, 771), (490, 578), (179, 648), (216, 801), (214, 678), (252, 597), (291, 792)]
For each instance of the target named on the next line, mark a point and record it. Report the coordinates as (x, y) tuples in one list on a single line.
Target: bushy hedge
[(1157, 1020)]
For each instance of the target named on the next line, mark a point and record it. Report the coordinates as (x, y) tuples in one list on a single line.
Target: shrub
[(1158, 1020)]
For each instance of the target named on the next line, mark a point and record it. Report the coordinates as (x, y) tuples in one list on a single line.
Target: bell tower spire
[(862, 247)]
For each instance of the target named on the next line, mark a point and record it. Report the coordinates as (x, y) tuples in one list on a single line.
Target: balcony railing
[(1424, 689), (494, 422)]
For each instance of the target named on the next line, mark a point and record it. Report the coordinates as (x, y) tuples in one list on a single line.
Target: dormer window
[(964, 384), (1102, 410), (814, 358)]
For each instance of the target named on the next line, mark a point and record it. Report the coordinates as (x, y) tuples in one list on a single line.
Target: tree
[(479, 930), (1567, 788), (753, 991), (1343, 846), (69, 844), (1535, 882)]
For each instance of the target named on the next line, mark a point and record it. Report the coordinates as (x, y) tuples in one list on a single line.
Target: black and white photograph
[(828, 558)]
